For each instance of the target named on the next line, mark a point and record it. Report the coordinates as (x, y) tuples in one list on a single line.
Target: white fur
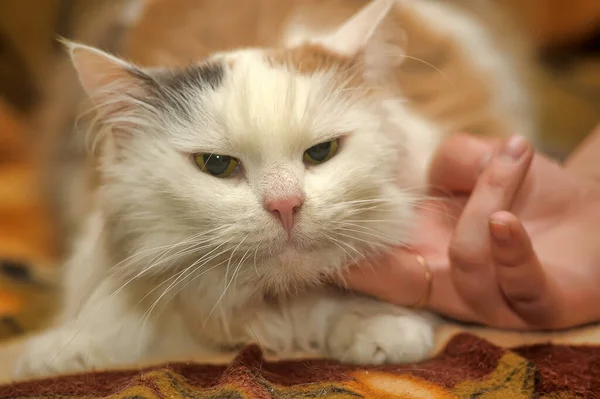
[(174, 262)]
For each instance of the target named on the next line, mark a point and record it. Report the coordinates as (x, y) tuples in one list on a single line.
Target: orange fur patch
[(308, 59), (436, 77)]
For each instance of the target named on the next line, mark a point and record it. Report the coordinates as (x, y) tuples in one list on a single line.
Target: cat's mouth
[(295, 247), (297, 242)]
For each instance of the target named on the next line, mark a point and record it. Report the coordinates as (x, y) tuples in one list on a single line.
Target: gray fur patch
[(197, 76), (168, 89)]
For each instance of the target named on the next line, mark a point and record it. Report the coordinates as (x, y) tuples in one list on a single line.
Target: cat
[(231, 190)]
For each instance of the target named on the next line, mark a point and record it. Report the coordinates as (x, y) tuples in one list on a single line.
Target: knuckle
[(519, 254), (523, 297), (515, 257), (497, 177)]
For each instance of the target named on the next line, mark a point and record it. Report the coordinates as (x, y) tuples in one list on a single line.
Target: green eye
[(217, 165), (321, 152)]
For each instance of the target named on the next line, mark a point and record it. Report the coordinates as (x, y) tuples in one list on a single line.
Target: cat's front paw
[(380, 338), (59, 351)]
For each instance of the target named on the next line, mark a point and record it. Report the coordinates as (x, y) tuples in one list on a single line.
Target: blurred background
[(39, 99)]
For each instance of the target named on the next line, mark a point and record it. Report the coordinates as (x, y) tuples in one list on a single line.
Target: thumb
[(458, 161)]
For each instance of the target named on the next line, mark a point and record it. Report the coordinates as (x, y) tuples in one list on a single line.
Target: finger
[(520, 275), (458, 162), (396, 277), (469, 252), (399, 278)]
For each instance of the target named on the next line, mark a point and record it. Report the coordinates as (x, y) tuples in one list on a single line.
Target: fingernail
[(500, 230), (514, 149)]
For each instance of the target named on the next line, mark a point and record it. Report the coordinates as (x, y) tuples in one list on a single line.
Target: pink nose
[(285, 209)]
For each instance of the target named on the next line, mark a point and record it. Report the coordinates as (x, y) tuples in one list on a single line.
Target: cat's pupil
[(320, 152), (216, 164)]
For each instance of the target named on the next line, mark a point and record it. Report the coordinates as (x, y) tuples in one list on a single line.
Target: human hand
[(479, 242)]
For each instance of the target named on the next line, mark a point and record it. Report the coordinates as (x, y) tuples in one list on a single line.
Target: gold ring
[(428, 279)]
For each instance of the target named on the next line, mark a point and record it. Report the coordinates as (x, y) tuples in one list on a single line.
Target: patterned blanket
[(467, 368)]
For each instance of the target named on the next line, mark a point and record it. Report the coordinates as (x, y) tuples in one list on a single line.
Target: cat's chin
[(289, 270), (289, 255)]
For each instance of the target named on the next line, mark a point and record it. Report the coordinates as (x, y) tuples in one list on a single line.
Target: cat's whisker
[(442, 73), (156, 263), (181, 274), (195, 248), (144, 317), (127, 261), (339, 243), (202, 258), (366, 262), (396, 223), (260, 345), (203, 271), (365, 201), (226, 287), (175, 276), (95, 320), (254, 261), (241, 263), (133, 258), (362, 229), (231, 257), (439, 210), (140, 274), (372, 208), (369, 243)]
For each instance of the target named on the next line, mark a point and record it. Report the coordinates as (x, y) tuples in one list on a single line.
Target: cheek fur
[(356, 196)]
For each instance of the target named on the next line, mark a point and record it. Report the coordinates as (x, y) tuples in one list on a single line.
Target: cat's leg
[(367, 331), (63, 349), (108, 330), (349, 328)]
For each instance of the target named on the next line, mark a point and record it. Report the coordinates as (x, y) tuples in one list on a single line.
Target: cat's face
[(278, 167)]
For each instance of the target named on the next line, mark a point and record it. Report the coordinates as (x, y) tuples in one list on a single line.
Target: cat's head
[(278, 166)]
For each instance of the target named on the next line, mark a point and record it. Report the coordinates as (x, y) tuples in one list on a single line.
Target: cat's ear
[(99, 72), (355, 34)]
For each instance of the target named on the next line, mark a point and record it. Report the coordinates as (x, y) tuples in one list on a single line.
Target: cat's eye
[(321, 152), (217, 165)]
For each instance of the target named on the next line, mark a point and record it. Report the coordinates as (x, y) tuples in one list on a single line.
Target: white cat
[(230, 192)]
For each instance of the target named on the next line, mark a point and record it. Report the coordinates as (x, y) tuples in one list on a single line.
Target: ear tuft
[(95, 68)]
